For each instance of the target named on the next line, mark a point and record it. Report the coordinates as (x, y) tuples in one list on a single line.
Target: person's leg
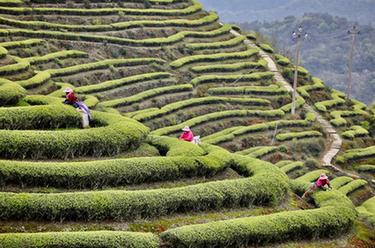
[(312, 188)]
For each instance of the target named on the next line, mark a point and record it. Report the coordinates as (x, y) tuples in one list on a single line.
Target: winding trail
[(334, 140)]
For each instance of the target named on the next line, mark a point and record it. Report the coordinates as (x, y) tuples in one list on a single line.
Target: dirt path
[(334, 141)]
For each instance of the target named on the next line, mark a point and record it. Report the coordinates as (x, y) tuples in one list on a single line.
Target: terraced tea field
[(147, 69)]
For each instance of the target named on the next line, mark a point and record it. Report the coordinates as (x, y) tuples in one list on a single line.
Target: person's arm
[(191, 136), (329, 184)]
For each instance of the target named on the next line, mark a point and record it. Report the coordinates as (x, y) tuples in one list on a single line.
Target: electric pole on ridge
[(353, 32), (297, 36)]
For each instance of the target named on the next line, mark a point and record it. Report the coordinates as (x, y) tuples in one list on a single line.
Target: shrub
[(261, 151), (352, 186), (35, 81), (100, 11), (366, 168), (336, 216), (246, 90), (173, 107), (261, 64), (213, 57), (114, 40), (112, 84), (39, 117), (14, 68), (147, 94), (217, 116), (142, 203), (3, 52), (10, 93), (22, 43), (232, 78), (297, 135), (91, 239), (251, 36), (337, 116), (355, 131), (299, 103), (292, 166), (212, 17), (114, 172), (117, 134), (338, 182), (102, 65), (356, 154), (56, 55), (337, 100), (217, 45), (367, 210), (231, 133), (282, 60), (265, 47), (317, 85)]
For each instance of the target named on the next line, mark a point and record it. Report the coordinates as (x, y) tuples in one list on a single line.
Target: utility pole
[(298, 36), (353, 32)]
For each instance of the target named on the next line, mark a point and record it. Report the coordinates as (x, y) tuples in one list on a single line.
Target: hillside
[(146, 69), (272, 10), (328, 36)]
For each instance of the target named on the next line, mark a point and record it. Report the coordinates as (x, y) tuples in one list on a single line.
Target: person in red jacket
[(187, 134), (70, 98), (319, 184)]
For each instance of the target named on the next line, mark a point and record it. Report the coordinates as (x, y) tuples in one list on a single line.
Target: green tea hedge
[(3, 52), (176, 106), (39, 117), (282, 60), (335, 216), (355, 131), (112, 84), (117, 134), (175, 38), (256, 76), (340, 181), (147, 94), (217, 45), (297, 135), (212, 17), (103, 64), (35, 81), (101, 11), (274, 89), (317, 85), (231, 133), (91, 239), (21, 43), (217, 116), (10, 93), (267, 48), (213, 57), (114, 172), (14, 68), (337, 99), (352, 186), (56, 55), (261, 64), (121, 205)]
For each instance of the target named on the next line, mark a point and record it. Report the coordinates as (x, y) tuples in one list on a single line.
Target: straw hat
[(68, 90), (323, 176), (186, 129)]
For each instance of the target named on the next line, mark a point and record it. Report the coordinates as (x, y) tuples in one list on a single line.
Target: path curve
[(334, 139)]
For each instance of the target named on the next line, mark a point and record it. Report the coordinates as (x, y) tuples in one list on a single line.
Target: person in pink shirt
[(319, 184), (187, 135)]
